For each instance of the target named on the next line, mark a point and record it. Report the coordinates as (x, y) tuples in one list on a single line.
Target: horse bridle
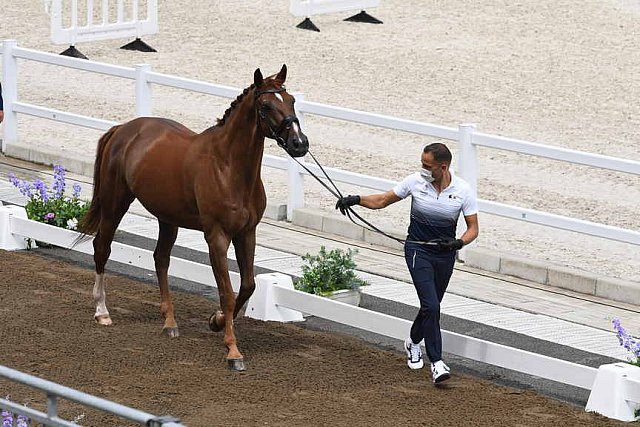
[(275, 134), (285, 124)]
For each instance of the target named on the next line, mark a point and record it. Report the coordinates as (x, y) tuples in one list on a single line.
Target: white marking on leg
[(100, 299)]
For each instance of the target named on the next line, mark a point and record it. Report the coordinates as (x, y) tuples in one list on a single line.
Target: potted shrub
[(331, 274)]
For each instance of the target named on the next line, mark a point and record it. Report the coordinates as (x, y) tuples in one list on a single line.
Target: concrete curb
[(489, 260), (73, 162)]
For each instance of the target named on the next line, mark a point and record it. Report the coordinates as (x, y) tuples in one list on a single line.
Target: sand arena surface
[(295, 377), (556, 72)]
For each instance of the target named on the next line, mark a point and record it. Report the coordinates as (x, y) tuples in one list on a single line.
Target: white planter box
[(347, 296)]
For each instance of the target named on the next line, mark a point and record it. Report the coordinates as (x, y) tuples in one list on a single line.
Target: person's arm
[(373, 201), (379, 201), (472, 229)]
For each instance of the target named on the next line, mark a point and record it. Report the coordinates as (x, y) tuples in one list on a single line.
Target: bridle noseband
[(285, 124)]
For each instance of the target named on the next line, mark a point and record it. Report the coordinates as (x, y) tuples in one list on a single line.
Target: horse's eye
[(265, 107)]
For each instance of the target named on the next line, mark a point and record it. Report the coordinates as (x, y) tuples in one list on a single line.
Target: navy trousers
[(430, 273)]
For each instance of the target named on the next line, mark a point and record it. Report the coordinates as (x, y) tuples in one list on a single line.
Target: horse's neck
[(243, 139)]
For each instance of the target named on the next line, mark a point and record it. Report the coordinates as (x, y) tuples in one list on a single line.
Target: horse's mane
[(235, 102)]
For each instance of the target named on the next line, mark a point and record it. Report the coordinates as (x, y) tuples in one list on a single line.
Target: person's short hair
[(439, 151)]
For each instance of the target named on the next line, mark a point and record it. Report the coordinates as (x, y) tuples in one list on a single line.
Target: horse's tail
[(90, 222)]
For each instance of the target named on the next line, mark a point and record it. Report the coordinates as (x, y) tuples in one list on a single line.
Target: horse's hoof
[(236, 365), (103, 320), (215, 321), (171, 332)]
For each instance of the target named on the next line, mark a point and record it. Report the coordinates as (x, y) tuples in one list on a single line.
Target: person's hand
[(448, 244), (1, 116), (344, 203)]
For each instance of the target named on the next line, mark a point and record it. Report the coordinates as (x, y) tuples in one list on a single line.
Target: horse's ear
[(282, 75), (257, 77)]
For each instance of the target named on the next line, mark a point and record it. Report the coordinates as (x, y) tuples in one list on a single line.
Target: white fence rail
[(465, 135), (488, 352)]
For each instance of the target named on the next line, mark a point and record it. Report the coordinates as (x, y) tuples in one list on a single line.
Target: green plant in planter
[(52, 206), (329, 271)]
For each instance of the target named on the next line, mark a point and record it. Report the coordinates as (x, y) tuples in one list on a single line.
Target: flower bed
[(52, 206)]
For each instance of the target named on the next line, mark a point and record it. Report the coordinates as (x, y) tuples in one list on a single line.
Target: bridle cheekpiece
[(285, 124)]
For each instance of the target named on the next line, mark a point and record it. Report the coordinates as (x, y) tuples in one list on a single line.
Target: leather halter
[(285, 124)]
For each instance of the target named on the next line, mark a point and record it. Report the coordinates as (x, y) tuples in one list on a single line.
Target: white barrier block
[(261, 305), (8, 241), (609, 395)]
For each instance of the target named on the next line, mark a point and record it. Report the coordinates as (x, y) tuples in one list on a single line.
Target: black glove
[(448, 244), (344, 202)]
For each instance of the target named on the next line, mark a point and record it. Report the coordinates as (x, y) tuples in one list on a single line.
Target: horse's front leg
[(218, 245), (245, 247)]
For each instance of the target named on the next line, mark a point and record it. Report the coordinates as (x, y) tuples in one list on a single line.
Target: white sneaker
[(414, 354), (440, 371)]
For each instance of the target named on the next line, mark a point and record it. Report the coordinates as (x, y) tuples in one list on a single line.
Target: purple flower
[(7, 419), (76, 190), (50, 216), (14, 179), (42, 189), (23, 421), (626, 340), (23, 186), (58, 180)]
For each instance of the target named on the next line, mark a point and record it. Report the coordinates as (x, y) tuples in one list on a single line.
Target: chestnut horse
[(208, 181)]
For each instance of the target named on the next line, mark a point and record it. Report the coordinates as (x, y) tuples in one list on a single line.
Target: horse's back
[(151, 156)]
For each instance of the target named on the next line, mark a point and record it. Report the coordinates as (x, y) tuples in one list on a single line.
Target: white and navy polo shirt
[(433, 215)]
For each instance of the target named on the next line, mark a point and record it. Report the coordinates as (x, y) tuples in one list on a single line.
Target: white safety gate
[(75, 21), (309, 8)]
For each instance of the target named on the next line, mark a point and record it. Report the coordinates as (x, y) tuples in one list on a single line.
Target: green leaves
[(62, 212), (328, 272)]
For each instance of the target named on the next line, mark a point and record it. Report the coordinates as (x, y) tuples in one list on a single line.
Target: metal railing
[(55, 391)]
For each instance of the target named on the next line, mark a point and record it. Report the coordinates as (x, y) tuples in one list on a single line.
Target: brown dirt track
[(295, 377)]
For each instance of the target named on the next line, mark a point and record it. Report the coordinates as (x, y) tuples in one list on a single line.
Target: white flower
[(72, 224)]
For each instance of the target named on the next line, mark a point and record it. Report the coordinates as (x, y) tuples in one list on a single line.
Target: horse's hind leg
[(109, 219), (166, 238)]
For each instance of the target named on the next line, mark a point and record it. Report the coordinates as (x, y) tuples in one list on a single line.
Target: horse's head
[(277, 117)]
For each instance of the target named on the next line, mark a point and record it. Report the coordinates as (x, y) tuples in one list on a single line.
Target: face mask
[(426, 175)]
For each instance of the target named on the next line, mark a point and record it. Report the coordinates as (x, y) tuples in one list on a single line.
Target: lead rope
[(349, 210)]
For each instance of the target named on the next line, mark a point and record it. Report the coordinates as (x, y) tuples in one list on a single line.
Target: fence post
[(9, 93), (9, 241), (262, 305), (143, 91), (295, 178), (467, 170)]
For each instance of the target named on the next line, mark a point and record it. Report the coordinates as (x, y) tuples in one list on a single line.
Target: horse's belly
[(171, 208)]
